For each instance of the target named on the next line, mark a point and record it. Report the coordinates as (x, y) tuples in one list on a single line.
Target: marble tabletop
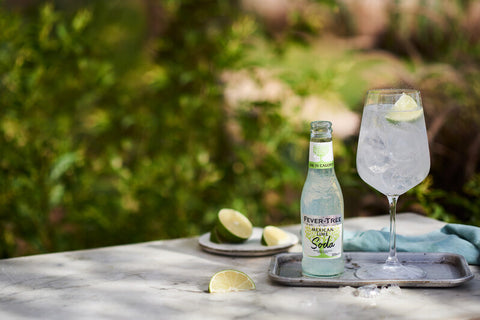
[(168, 279)]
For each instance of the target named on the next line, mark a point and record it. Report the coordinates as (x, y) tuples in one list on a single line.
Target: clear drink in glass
[(393, 157)]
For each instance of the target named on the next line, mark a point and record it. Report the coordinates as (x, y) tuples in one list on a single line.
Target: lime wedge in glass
[(230, 280), (232, 226), (405, 109), (273, 236)]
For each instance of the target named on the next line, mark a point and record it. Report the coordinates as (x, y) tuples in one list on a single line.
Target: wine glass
[(392, 157)]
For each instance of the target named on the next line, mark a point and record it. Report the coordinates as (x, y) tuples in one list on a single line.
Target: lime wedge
[(230, 280), (232, 226), (273, 236), (405, 109)]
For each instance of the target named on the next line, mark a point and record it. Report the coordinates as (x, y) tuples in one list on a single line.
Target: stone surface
[(169, 280)]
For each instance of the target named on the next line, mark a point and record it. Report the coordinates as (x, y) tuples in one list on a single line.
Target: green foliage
[(105, 142), (115, 128), (65, 113), (441, 204), (434, 31)]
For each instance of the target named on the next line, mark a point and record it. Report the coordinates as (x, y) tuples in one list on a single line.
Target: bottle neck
[(320, 154)]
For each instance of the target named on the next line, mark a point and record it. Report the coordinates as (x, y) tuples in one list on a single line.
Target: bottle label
[(320, 155), (322, 236)]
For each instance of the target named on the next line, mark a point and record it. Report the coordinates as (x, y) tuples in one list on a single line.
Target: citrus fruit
[(214, 237), (273, 236), (405, 109), (232, 226), (230, 280)]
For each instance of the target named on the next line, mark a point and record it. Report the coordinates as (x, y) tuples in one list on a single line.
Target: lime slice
[(230, 280), (233, 227), (405, 109), (273, 236)]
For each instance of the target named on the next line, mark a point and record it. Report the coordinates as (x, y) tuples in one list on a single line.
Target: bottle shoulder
[(323, 186), (322, 174)]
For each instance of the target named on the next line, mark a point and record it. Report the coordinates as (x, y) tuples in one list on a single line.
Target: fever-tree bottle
[(322, 208)]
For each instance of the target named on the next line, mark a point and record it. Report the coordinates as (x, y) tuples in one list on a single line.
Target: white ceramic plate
[(250, 248)]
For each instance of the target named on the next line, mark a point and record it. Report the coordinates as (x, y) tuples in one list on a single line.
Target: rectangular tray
[(443, 270)]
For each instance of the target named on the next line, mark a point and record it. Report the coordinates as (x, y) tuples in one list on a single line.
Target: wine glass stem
[(392, 259)]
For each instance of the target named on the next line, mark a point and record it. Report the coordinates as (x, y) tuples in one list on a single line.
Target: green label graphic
[(322, 236), (321, 155)]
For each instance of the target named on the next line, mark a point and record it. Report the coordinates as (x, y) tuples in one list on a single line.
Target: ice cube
[(368, 291)]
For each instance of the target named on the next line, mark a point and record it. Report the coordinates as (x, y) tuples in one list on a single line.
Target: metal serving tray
[(443, 270)]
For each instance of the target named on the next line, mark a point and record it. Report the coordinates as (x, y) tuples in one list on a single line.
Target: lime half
[(214, 236), (405, 109), (230, 280), (273, 236), (232, 226)]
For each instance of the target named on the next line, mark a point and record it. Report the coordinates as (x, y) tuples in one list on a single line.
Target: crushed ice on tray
[(372, 290)]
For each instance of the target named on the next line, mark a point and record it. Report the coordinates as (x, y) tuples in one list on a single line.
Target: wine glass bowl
[(392, 157)]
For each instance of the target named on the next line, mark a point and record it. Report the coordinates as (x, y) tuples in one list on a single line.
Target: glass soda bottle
[(322, 208)]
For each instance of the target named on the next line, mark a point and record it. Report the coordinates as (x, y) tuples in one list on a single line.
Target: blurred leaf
[(64, 162)]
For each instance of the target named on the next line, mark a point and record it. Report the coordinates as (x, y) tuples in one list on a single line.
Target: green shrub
[(115, 129), (110, 140)]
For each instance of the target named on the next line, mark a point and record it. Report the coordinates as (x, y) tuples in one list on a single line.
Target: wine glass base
[(390, 272)]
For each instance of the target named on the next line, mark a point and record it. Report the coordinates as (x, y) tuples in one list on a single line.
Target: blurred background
[(132, 120)]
